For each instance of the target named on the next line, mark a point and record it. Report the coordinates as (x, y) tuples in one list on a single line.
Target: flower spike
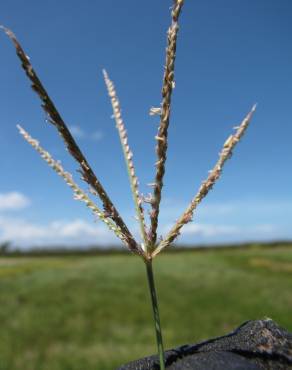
[(164, 112), (208, 184), (128, 155)]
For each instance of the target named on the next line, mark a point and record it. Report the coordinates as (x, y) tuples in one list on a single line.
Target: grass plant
[(148, 248)]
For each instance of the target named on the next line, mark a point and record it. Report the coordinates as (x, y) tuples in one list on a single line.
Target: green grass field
[(93, 312)]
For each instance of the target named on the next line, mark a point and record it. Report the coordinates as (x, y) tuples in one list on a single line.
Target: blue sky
[(230, 55)]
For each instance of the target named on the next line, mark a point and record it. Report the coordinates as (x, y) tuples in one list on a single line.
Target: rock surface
[(255, 345)]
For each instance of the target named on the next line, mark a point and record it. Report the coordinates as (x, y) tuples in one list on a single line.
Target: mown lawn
[(93, 312)]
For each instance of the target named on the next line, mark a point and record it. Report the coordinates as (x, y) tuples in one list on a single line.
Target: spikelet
[(164, 112), (128, 155), (154, 111), (55, 118), (79, 194), (208, 184)]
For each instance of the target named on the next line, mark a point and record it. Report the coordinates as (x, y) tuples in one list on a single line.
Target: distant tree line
[(7, 249), (4, 248)]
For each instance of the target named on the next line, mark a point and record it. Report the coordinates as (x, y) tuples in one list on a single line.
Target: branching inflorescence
[(148, 248)]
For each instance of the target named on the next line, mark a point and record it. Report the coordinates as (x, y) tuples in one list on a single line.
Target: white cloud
[(74, 233), (208, 230), (172, 209), (231, 212), (79, 133), (13, 201), (213, 233), (218, 209), (78, 233), (97, 135)]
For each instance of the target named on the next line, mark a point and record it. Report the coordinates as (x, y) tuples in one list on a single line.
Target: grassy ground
[(85, 313)]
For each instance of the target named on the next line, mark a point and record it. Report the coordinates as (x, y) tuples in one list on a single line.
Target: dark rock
[(255, 345)]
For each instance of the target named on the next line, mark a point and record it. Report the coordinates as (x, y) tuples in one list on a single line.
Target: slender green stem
[(155, 314)]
